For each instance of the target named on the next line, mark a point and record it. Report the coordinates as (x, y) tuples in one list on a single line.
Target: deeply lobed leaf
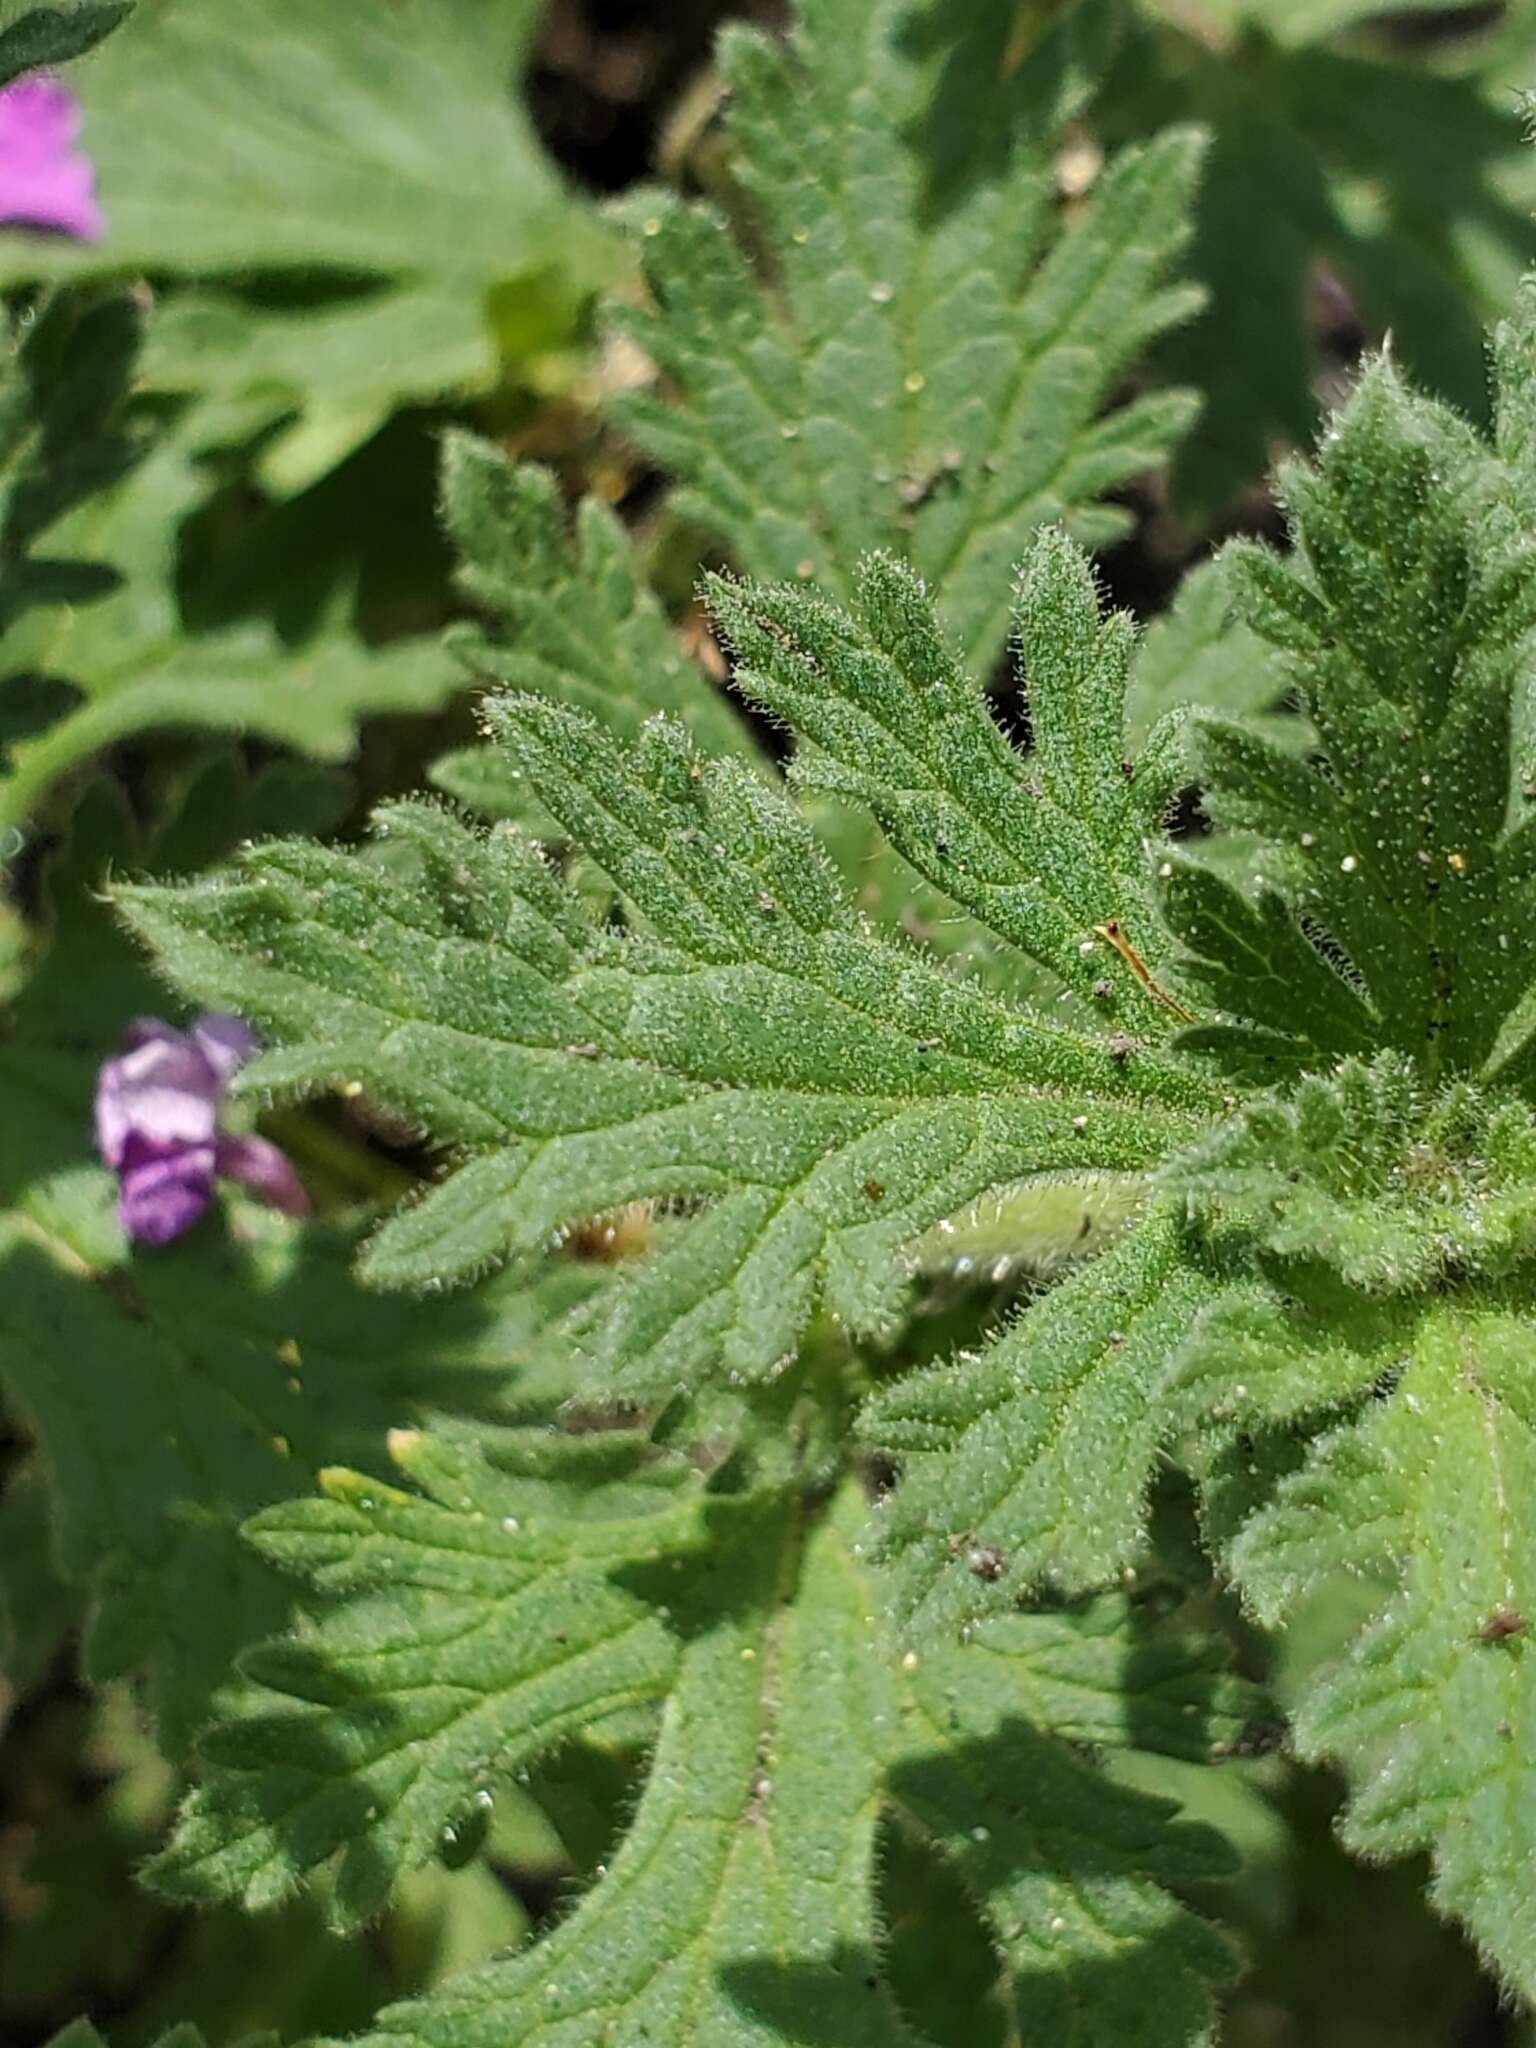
[(749, 1039), (1031, 1459), (571, 619), (1400, 619), (743, 1894), (931, 369), (1431, 1711), (482, 1627)]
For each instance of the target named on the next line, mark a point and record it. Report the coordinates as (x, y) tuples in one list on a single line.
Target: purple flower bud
[(45, 182), (157, 1125)]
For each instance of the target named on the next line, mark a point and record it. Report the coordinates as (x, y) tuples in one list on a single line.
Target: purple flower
[(157, 1123), (45, 182)]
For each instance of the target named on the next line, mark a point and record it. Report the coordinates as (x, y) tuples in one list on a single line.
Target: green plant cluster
[(916, 1366)]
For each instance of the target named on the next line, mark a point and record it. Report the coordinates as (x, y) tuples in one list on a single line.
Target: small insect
[(1501, 1625)]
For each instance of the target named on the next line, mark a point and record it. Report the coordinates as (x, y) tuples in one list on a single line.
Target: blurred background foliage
[(334, 232)]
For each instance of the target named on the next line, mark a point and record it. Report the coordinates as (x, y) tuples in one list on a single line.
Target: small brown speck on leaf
[(1501, 1625)]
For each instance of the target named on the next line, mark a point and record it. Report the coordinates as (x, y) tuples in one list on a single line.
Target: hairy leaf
[(1398, 618), (1364, 1173), (931, 370), (173, 1395), (742, 1896), (1047, 850), (1031, 1459), (572, 621), (484, 1625), (749, 1039), (1431, 1712)]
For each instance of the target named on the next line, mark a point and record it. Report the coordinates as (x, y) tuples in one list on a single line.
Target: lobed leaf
[(1399, 618), (570, 619), (743, 1894), (1031, 1459), (1430, 1713), (750, 1040), (172, 1396), (933, 369), (482, 1626), (1046, 850)]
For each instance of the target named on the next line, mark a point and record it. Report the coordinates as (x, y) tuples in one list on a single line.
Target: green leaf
[(1045, 850), (391, 157), (81, 2034), (1411, 187), (1364, 1172), (572, 621), (1431, 1713), (66, 433), (1359, 1399), (1031, 1459), (95, 1939), (1196, 656), (742, 1897), (174, 1384), (1253, 957), (47, 36), (38, 1607), (931, 369), (98, 647), (1306, 21), (484, 1625), (1397, 617), (750, 1040)]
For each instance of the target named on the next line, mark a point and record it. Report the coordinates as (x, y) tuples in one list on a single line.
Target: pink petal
[(163, 1194), (39, 119), (265, 1171), (44, 181), (161, 1093)]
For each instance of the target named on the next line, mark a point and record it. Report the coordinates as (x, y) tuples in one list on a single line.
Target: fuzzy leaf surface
[(570, 619), (933, 370), (171, 1396), (1363, 1392), (1400, 618), (482, 1626), (1030, 1459), (749, 1039), (1047, 850), (1431, 1713), (743, 1895)]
